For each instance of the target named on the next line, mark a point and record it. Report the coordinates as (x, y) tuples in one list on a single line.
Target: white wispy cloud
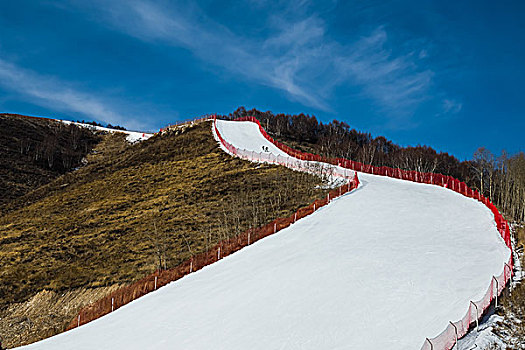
[(298, 56), (395, 82), (51, 92), (451, 106), (218, 46)]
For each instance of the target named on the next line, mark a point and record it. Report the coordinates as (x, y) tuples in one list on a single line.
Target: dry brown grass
[(95, 227), (45, 314), (517, 297), (512, 328)]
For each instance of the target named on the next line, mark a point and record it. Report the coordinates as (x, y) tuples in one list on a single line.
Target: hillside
[(130, 210), (385, 266), (136, 208), (35, 151)]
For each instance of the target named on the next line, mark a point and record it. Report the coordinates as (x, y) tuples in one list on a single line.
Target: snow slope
[(132, 136), (246, 135), (250, 144), (382, 267)]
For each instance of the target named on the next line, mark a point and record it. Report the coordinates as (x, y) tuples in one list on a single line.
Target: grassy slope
[(96, 226), (27, 144)]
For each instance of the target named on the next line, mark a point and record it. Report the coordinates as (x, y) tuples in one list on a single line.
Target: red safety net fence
[(224, 248), (454, 330)]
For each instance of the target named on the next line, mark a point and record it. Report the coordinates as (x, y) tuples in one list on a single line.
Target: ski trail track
[(382, 267)]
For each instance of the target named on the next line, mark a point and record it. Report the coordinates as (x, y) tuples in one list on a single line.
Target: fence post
[(219, 253), (112, 304), (295, 217), (249, 237), (497, 290), (431, 346), (191, 266), (155, 283), (328, 198), (78, 320), (314, 206), (477, 315), (455, 331), (274, 227), (510, 272)]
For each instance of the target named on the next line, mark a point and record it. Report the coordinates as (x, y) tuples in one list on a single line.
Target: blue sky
[(448, 74)]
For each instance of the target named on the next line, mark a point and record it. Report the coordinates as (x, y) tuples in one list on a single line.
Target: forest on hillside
[(501, 178), (35, 151)]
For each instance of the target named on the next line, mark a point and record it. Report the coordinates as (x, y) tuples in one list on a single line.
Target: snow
[(483, 337), (252, 145), (246, 135), (132, 136), (382, 267)]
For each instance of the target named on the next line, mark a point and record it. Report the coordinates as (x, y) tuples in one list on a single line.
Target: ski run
[(382, 267)]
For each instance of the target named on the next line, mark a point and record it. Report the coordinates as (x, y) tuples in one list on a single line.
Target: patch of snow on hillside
[(132, 136)]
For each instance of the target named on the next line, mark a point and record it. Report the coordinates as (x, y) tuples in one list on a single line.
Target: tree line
[(109, 126), (500, 178), (60, 148)]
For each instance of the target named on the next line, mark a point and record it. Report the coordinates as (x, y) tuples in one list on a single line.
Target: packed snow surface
[(382, 267), (246, 135), (249, 141)]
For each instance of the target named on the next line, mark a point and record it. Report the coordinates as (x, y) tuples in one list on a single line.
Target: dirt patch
[(45, 314)]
